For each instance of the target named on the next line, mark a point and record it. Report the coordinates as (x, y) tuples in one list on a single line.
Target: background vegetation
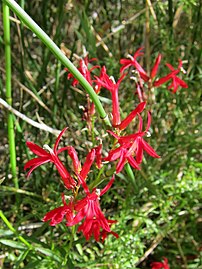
[(160, 215)]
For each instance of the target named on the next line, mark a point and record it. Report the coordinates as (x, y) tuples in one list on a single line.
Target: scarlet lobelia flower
[(108, 83), (56, 215), (84, 70), (131, 148), (89, 209), (133, 62), (82, 172), (160, 265), (176, 81), (51, 156)]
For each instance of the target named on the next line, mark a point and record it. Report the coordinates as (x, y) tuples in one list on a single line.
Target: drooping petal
[(149, 149), (181, 83), (133, 162)]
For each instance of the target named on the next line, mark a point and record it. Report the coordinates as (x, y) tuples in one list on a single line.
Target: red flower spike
[(56, 215), (106, 82), (160, 265), (131, 116), (51, 156), (89, 209)]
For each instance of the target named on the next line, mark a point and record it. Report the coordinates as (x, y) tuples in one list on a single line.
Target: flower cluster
[(83, 207)]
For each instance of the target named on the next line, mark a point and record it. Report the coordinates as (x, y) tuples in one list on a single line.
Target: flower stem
[(11, 133), (28, 21)]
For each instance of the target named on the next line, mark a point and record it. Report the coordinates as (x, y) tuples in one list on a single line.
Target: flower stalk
[(11, 133), (28, 21)]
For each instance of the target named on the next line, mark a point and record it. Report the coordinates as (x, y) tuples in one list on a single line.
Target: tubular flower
[(56, 215), (106, 82), (133, 62), (160, 265), (84, 70), (131, 148), (89, 209), (176, 81), (51, 156)]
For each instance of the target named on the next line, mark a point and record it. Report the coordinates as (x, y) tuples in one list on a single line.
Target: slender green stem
[(11, 133), (9, 225), (59, 55)]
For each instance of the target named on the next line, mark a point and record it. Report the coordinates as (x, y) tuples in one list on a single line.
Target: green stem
[(59, 55), (11, 133), (9, 225)]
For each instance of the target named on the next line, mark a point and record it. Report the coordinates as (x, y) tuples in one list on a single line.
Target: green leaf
[(13, 244)]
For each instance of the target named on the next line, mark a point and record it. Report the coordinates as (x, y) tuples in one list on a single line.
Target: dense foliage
[(158, 213)]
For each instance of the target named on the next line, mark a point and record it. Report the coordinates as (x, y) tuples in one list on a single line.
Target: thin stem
[(11, 133), (9, 225), (59, 55)]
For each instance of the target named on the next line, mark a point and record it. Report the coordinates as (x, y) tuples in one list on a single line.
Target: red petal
[(181, 83), (73, 155), (36, 149), (155, 67), (149, 149), (132, 115), (58, 139), (107, 187), (133, 163), (87, 165)]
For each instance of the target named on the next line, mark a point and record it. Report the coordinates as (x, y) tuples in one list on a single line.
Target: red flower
[(131, 146), (56, 215), (176, 81), (51, 156), (84, 70), (133, 62), (160, 265), (80, 171), (89, 209), (106, 82)]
